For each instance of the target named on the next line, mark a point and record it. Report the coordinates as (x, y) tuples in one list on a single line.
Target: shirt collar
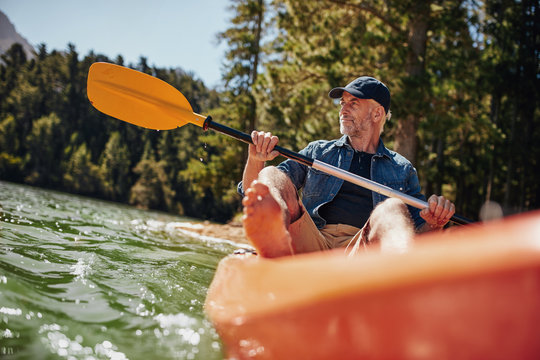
[(343, 141), (381, 149)]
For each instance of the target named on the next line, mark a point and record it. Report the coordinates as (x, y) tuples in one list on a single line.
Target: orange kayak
[(469, 293)]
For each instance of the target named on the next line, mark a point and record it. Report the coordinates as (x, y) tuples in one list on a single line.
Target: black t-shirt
[(353, 204)]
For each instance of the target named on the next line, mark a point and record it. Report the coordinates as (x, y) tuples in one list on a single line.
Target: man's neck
[(366, 145)]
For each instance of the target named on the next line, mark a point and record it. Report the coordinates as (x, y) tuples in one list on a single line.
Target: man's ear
[(379, 113)]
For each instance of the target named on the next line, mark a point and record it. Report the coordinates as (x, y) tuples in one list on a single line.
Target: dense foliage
[(463, 76), (52, 137)]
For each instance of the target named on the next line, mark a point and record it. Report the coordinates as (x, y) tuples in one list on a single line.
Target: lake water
[(87, 279)]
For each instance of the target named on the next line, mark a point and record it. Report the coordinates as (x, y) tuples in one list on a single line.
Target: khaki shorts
[(306, 237)]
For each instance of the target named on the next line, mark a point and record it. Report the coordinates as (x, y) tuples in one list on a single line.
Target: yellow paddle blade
[(138, 98)]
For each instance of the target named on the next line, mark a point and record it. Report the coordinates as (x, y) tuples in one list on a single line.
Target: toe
[(248, 200), (260, 189)]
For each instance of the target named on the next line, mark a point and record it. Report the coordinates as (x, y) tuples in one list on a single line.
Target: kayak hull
[(467, 294)]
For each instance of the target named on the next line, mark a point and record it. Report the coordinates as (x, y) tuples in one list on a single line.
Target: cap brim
[(336, 93)]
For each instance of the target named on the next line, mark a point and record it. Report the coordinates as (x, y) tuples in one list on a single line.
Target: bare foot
[(264, 224)]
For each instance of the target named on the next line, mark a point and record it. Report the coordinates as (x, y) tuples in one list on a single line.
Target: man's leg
[(391, 226), (270, 205)]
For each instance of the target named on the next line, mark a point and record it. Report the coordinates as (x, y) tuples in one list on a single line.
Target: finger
[(274, 154), (426, 213), (435, 206), (260, 141), (252, 146), (266, 141), (439, 207), (270, 152), (273, 142), (432, 203), (444, 207), (450, 211)]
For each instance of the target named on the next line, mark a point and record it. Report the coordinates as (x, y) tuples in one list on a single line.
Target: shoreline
[(233, 231)]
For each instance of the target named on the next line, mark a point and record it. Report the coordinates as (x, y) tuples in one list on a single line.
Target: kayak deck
[(468, 293)]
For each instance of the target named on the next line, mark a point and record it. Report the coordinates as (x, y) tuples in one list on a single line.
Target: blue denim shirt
[(318, 188)]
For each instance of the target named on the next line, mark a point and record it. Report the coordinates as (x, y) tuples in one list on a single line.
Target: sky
[(169, 33)]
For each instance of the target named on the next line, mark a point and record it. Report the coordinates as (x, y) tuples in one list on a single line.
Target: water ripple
[(81, 278)]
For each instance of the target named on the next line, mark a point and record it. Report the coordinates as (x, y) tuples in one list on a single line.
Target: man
[(332, 212)]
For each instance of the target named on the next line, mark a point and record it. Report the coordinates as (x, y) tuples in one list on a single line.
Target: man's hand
[(263, 148), (260, 151), (438, 212)]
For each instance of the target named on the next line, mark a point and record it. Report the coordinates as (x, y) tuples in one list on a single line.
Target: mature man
[(334, 213)]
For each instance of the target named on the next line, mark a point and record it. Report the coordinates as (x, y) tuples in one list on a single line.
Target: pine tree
[(44, 151), (81, 175), (115, 168)]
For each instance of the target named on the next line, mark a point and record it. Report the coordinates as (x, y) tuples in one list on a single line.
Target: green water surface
[(87, 279)]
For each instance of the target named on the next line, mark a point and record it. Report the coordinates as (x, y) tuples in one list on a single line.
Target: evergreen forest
[(464, 77)]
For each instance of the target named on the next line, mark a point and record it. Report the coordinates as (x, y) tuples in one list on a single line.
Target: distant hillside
[(10, 36)]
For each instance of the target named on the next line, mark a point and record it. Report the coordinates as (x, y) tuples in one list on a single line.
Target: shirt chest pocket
[(317, 184), (398, 185)]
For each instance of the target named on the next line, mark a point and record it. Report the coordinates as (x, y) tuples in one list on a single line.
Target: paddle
[(146, 101)]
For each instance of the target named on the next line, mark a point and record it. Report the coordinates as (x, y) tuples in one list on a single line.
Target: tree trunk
[(406, 141), (251, 119), (440, 165), (508, 189), (495, 110), (255, 64)]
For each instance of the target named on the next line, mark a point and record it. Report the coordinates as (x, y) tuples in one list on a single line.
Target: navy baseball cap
[(365, 87)]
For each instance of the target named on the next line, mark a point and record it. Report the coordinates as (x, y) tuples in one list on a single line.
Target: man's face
[(355, 115)]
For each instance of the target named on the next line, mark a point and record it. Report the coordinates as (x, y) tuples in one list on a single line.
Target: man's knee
[(282, 189), (391, 206), (270, 173), (391, 213), (274, 178), (391, 226)]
